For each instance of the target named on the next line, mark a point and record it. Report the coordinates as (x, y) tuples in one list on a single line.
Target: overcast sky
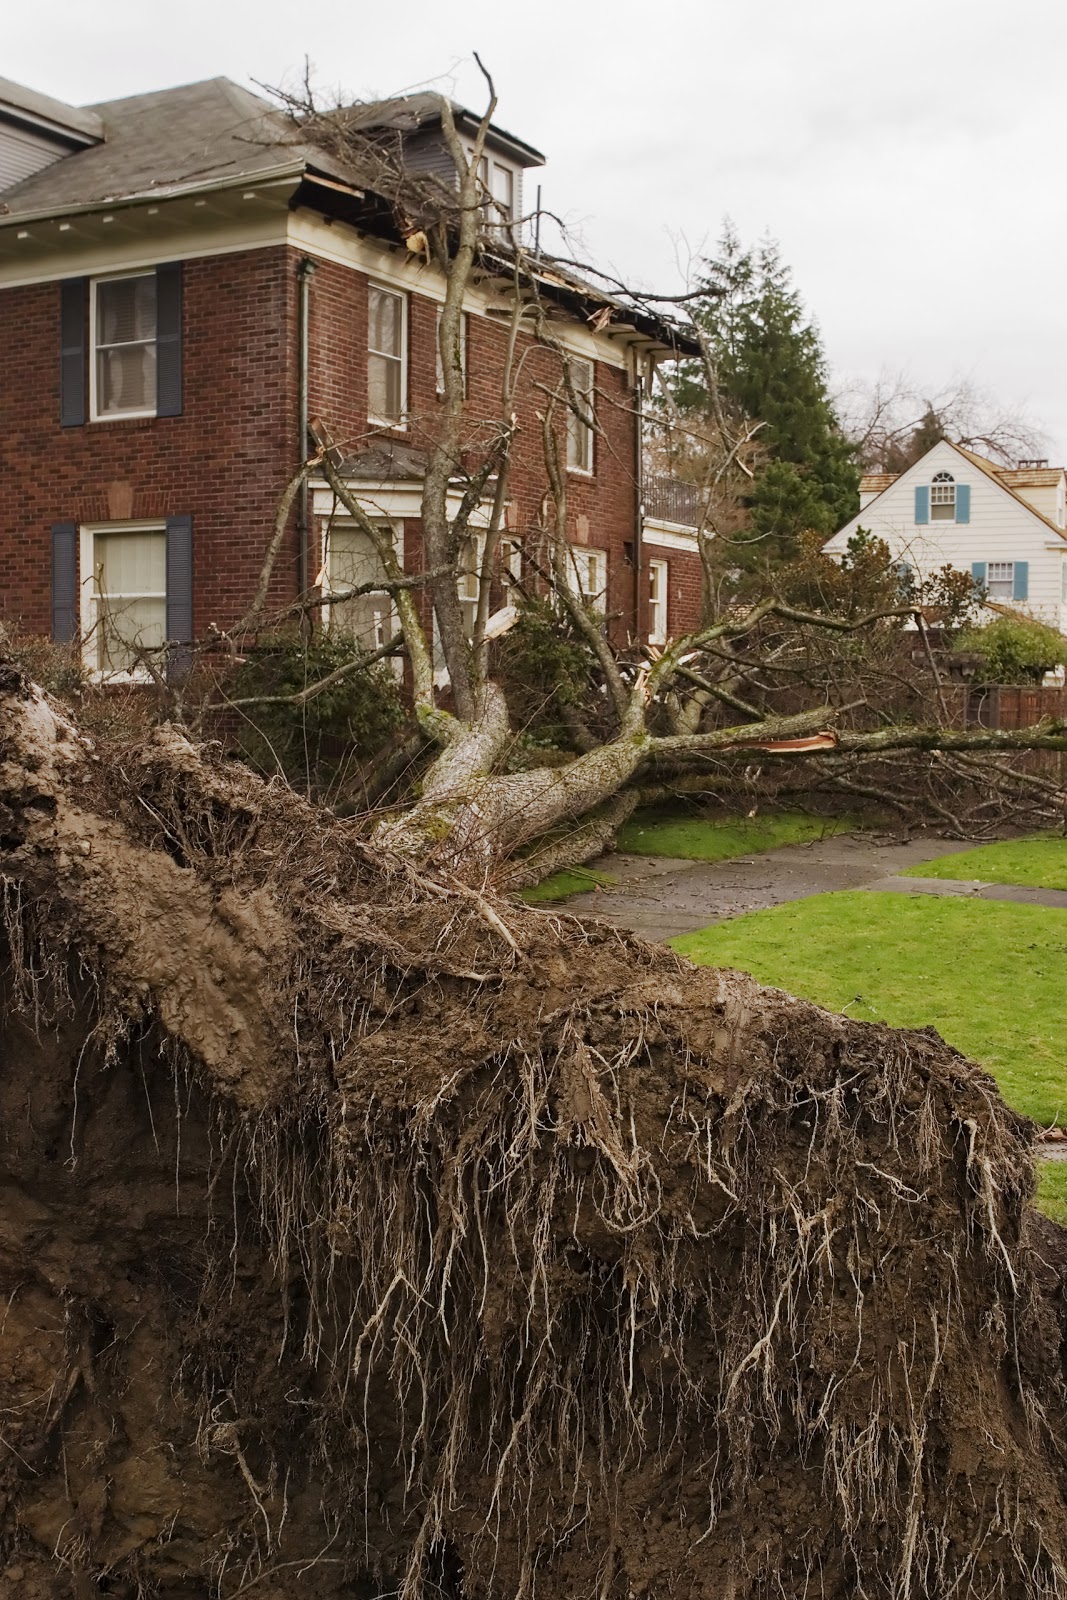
[(908, 157)]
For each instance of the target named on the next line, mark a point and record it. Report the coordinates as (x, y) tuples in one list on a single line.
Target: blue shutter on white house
[(179, 593), (963, 502), (1020, 580), (169, 340), (978, 569), (922, 502), (73, 296), (64, 582)]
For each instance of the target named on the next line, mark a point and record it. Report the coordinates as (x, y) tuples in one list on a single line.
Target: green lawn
[(561, 885), (1040, 861), (988, 975), (1052, 1189), (694, 838)]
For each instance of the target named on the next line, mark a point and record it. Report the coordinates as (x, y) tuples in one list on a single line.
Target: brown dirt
[(354, 1244)]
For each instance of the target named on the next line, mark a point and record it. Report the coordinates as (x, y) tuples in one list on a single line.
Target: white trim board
[(665, 537)]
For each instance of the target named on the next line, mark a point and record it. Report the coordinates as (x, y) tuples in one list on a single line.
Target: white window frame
[(462, 351), (115, 416), (1005, 576), (579, 432), (399, 425), (498, 216), (594, 592), (943, 481), (396, 531), (88, 606), (658, 592), (510, 555), (469, 580)]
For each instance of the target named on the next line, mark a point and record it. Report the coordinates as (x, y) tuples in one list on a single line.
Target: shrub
[(315, 742), (545, 672), (1015, 649)]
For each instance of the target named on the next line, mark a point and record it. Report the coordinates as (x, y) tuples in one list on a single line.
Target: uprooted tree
[(364, 1235), (367, 1234), (827, 685)]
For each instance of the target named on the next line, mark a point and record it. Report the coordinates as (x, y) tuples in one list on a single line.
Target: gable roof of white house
[(888, 485)]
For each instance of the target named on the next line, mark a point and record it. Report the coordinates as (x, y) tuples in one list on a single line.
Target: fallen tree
[(365, 1235)]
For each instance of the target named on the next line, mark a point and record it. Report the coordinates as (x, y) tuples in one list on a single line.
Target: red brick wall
[(224, 460), (601, 507)]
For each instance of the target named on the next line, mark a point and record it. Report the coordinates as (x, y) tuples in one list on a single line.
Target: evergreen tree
[(771, 369)]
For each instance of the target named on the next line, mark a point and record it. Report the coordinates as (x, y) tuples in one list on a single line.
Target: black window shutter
[(73, 293), (64, 582), (169, 340), (179, 593)]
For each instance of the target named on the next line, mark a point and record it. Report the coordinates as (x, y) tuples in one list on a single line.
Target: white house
[(1006, 526)]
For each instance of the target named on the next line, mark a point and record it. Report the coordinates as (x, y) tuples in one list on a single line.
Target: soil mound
[(363, 1235)]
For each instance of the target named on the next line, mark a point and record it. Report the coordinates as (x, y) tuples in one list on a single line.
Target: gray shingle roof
[(194, 135), (162, 142)]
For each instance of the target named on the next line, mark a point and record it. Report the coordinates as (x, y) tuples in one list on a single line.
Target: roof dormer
[(36, 131)]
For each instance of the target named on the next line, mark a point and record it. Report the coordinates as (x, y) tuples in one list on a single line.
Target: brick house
[(185, 290)]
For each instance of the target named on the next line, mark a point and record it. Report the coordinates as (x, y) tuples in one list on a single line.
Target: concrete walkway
[(660, 897)]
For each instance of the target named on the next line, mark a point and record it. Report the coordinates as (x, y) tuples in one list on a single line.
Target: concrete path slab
[(660, 897), (1022, 894)]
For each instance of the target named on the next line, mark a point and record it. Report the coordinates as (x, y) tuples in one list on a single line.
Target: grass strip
[(1039, 862), (695, 838), (988, 975)]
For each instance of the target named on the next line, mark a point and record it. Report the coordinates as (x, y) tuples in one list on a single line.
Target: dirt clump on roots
[(364, 1235)]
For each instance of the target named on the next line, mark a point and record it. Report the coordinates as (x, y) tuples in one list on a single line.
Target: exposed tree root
[(363, 1236)]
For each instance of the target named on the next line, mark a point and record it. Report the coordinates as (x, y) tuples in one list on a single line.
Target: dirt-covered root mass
[(361, 1236)]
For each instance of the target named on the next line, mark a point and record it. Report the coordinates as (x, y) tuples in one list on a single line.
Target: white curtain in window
[(352, 561), (125, 337), (385, 358), (129, 598)]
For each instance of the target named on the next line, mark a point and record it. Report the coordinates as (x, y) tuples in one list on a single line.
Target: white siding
[(1046, 498), (1000, 529), (22, 153)]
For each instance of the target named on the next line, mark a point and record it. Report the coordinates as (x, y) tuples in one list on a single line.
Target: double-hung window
[(386, 357), (352, 562), (123, 321), (510, 557), (591, 570), (498, 187), (943, 497), (471, 553), (1000, 580), (580, 417), (657, 602), (124, 605)]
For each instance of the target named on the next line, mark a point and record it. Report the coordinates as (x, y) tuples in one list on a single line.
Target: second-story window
[(124, 346), (580, 418), (386, 356), (943, 497)]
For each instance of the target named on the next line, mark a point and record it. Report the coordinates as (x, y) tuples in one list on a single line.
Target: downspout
[(304, 274), (639, 482)]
